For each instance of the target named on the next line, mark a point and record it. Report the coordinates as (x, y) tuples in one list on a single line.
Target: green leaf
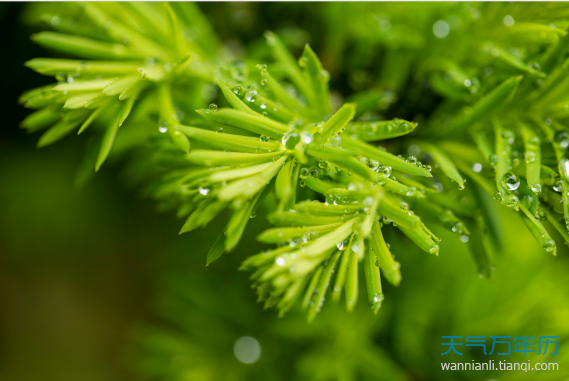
[(217, 249), (384, 158), (121, 84), (342, 271), (478, 250), (373, 280), (338, 121), (310, 290), (228, 141), (421, 237), (40, 119), (246, 188), (249, 122), (55, 66), (388, 266), (279, 235), (90, 120), (85, 47), (283, 185), (537, 230), (485, 146), (484, 108), (57, 132), (238, 222), (234, 100), (317, 79), (532, 157), (173, 27), (168, 115), (109, 138), (79, 101), (301, 219), (282, 55), (219, 158), (445, 163), (280, 94), (504, 140), (387, 129), (398, 213), (554, 221), (352, 288), (323, 282)]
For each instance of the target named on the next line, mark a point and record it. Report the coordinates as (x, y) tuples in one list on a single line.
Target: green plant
[(499, 96)]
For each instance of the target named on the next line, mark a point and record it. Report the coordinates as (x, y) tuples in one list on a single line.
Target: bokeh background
[(95, 284)]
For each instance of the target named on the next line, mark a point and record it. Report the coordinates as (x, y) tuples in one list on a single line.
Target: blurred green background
[(96, 285)]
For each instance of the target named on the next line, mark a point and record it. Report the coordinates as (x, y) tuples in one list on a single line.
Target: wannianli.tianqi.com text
[(500, 365)]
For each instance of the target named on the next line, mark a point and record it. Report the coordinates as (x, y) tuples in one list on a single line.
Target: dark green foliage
[(483, 87)]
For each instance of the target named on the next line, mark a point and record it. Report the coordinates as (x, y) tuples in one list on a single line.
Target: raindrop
[(412, 160), (251, 96), (562, 139), (536, 188), (510, 181)]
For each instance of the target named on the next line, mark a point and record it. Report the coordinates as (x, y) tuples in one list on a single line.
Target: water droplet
[(251, 96), (373, 165), (220, 130), (384, 170), (458, 228), (510, 200), (264, 138), (562, 139), (477, 167), (302, 183), (290, 139), (412, 160), (549, 245), (536, 188), (203, 191), (314, 172), (212, 107), (510, 181), (508, 136)]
